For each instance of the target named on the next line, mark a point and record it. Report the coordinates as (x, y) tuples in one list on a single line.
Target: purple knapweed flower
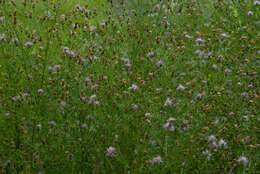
[(28, 44), (2, 37), (168, 102), (228, 71), (160, 63), (199, 96), (243, 160), (26, 95), (111, 151), (169, 124), (180, 87), (257, 3), (188, 36), (52, 123), (134, 87), (77, 6), (200, 40), (63, 104), (150, 54), (250, 13), (245, 94), (84, 126), (92, 28), (207, 154), (211, 138), (214, 67), (222, 143), (156, 159), (2, 18), (224, 35), (147, 114)]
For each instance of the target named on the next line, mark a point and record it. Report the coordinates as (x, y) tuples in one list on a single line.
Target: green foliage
[(93, 86)]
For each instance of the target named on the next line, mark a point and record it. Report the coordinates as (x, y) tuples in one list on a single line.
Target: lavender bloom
[(156, 159), (243, 160), (204, 82), (150, 54), (78, 7), (257, 3), (245, 94), (92, 28), (169, 124), (160, 63), (133, 87), (214, 66), (211, 138), (224, 35), (15, 40), (207, 154), (199, 96), (128, 65), (68, 52), (167, 23), (28, 44), (125, 60), (48, 13), (199, 52), (16, 98), (134, 106), (2, 18), (95, 58), (147, 115), (93, 97), (228, 71), (52, 123), (63, 104), (214, 144), (188, 36), (2, 36), (200, 40), (168, 102), (250, 13), (185, 122), (39, 126), (180, 88), (26, 95), (222, 143), (111, 151), (84, 126)]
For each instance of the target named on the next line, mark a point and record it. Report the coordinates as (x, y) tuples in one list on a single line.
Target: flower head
[(169, 124), (180, 88), (160, 63), (211, 138), (134, 87), (168, 102), (222, 143), (111, 151), (2, 36), (243, 160), (28, 44), (156, 159)]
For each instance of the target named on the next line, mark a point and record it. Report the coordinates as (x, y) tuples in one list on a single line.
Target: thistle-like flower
[(243, 160), (111, 151)]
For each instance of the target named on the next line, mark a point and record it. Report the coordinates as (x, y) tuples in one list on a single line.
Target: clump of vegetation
[(129, 87)]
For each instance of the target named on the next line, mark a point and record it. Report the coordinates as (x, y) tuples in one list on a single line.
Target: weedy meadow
[(134, 86)]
